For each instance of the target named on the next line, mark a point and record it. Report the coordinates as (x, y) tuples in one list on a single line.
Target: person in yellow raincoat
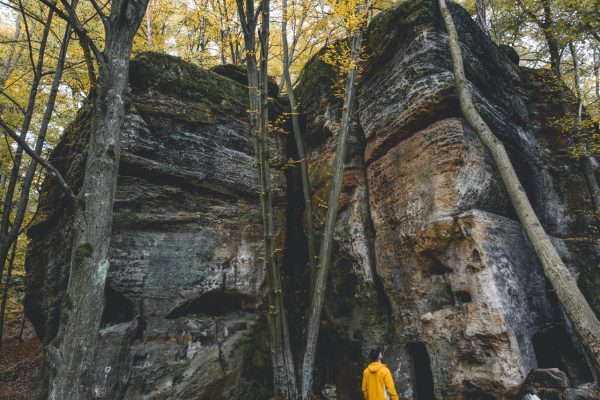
[(377, 376)]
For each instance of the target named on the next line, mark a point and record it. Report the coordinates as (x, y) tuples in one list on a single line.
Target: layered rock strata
[(470, 311), (184, 313), (429, 260)]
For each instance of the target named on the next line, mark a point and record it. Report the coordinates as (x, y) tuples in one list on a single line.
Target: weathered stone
[(547, 378), (583, 392), (550, 394), (429, 258), (461, 279), (184, 315)]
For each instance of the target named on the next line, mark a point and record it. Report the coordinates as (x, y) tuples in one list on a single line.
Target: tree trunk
[(149, 26), (481, 16), (310, 232), (5, 290), (576, 307), (11, 53), (15, 172), (70, 355), (597, 72), (586, 162), (15, 228), (318, 294), (284, 376), (548, 31)]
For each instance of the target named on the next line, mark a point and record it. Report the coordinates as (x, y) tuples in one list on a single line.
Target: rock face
[(184, 316), (429, 261), (470, 312)]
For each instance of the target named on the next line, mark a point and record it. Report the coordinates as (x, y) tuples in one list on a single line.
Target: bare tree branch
[(47, 166)]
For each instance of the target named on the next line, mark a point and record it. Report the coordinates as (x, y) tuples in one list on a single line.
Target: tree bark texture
[(576, 307), (284, 376), (318, 293), (70, 355), (481, 15)]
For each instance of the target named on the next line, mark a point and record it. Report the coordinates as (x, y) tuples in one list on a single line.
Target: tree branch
[(77, 27), (47, 166)]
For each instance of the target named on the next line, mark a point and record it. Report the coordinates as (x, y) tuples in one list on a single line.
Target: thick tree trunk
[(582, 317), (284, 376), (318, 293), (70, 355), (308, 208)]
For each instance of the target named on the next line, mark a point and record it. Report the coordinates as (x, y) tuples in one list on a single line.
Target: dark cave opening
[(462, 296), (554, 348), (118, 308), (423, 378), (215, 304), (437, 268)]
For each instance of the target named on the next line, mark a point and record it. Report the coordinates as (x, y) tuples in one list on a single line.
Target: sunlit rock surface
[(429, 258)]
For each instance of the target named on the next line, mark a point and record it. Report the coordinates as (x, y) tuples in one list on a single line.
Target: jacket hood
[(375, 366)]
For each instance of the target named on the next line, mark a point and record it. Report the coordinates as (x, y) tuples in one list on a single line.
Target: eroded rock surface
[(429, 259), (470, 311), (184, 293)]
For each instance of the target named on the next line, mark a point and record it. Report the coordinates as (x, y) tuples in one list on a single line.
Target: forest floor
[(20, 363)]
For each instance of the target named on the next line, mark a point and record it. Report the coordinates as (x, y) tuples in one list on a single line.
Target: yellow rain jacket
[(377, 375)]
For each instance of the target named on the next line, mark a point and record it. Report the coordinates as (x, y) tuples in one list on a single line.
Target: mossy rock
[(238, 73), (176, 77)]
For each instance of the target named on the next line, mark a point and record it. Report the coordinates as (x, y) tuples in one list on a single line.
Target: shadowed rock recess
[(429, 259)]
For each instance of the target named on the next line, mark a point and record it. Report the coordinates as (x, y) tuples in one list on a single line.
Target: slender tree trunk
[(70, 355), (481, 16), (149, 26), (284, 376), (310, 232), (15, 172), (548, 27), (597, 72), (21, 329), (6, 288), (15, 227), (586, 161), (11, 53), (283, 361), (324, 18), (576, 307), (318, 294)]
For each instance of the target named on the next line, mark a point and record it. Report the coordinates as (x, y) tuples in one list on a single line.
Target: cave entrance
[(215, 304), (423, 377), (554, 348), (118, 308)]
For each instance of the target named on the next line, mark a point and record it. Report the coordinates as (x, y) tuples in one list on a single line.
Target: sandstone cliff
[(429, 258)]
